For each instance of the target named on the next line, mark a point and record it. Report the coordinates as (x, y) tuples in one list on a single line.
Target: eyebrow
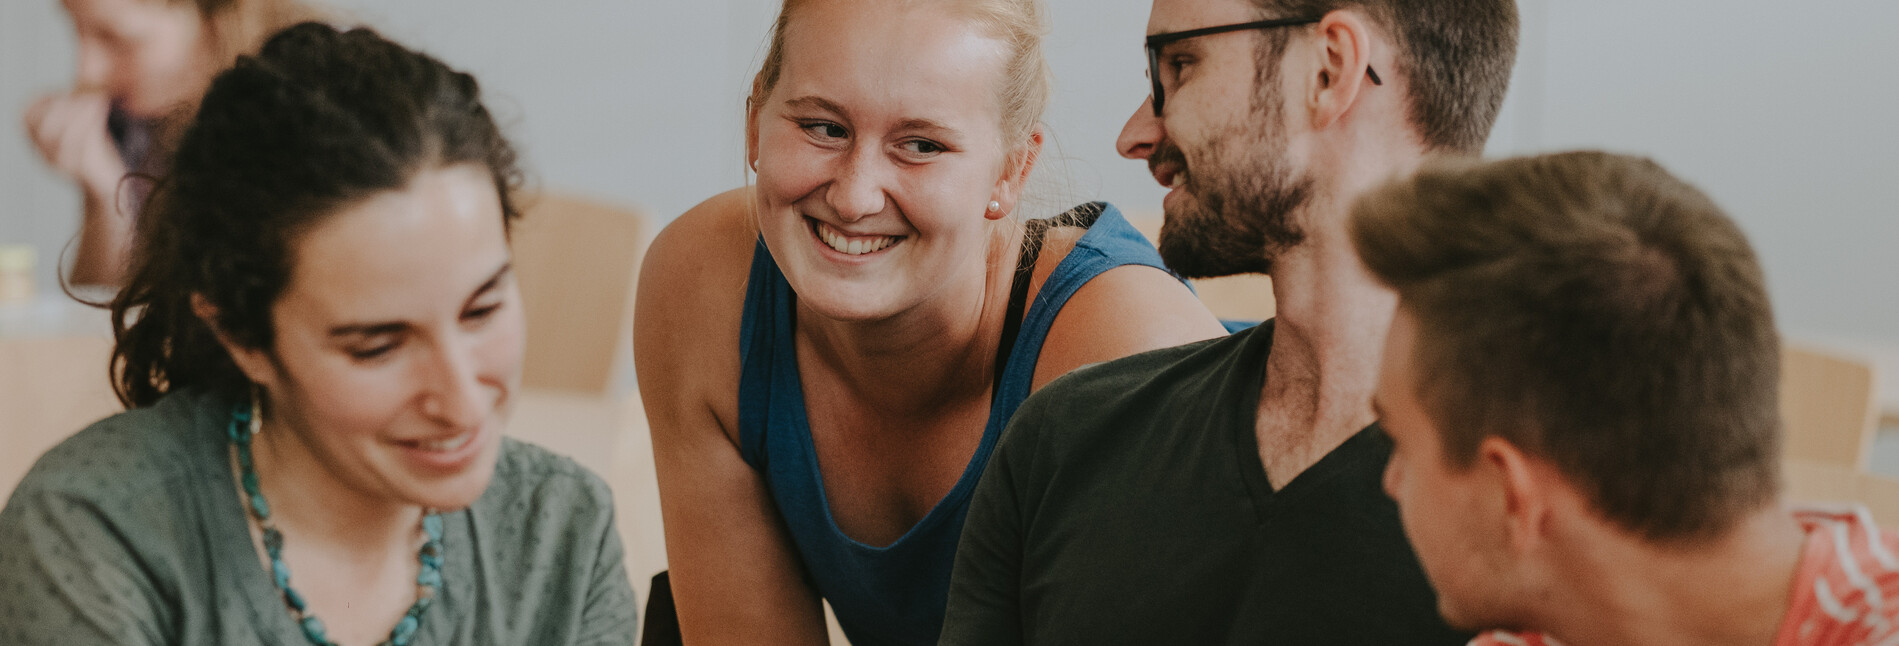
[(827, 105), (925, 124), (373, 329), (817, 103)]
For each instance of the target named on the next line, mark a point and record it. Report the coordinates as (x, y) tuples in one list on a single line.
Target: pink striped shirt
[(1846, 592)]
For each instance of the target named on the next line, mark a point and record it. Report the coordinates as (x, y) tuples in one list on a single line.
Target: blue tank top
[(893, 594)]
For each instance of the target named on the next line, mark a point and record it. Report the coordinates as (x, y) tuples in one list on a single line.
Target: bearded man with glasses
[(1228, 491)]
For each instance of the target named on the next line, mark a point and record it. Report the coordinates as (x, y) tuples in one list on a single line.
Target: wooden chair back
[(1829, 407), (50, 388), (577, 261)]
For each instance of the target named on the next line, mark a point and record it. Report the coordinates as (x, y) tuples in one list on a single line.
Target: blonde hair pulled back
[(1019, 24)]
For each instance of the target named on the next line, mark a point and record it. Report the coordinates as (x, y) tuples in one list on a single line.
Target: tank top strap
[(765, 347), (1110, 242)]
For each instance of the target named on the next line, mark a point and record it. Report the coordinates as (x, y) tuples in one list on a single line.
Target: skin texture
[(1510, 543), (885, 123), (1337, 136), (401, 323), (148, 57)]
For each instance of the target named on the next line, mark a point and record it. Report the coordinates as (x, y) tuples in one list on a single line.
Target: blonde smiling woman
[(828, 356)]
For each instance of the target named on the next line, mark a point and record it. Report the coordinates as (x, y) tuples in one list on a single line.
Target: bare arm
[(1124, 311), (736, 576), (69, 131)]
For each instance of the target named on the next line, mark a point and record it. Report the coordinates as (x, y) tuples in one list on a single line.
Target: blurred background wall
[(1788, 113)]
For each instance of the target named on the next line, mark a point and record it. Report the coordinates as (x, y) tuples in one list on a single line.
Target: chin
[(456, 491)]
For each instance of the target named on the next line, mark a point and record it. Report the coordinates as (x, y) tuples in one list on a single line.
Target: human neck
[(1622, 590), (1329, 327), (316, 508), (926, 359)]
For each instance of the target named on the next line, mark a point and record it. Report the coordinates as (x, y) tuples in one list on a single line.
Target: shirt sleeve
[(69, 575), (610, 615), (985, 583)]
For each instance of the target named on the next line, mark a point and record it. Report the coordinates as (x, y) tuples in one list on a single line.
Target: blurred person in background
[(828, 356), (142, 64), (320, 343)]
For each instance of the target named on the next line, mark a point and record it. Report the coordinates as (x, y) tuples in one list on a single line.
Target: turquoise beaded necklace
[(244, 425)]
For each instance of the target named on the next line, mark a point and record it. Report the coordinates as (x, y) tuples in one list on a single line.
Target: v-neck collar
[(1247, 378)]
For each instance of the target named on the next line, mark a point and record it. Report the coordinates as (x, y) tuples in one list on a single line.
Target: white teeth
[(857, 247), (449, 444), (1180, 179)]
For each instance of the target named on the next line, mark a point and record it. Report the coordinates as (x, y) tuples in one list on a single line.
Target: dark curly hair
[(318, 120)]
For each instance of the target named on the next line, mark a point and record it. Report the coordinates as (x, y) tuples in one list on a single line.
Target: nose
[(858, 191), (454, 395), (1142, 132)]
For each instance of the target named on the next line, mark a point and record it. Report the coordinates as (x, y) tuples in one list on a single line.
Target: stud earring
[(994, 206), (257, 409)]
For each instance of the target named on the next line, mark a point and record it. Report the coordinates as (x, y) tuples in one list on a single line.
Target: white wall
[(1785, 113)]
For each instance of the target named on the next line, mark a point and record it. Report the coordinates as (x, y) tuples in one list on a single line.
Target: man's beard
[(1244, 193)]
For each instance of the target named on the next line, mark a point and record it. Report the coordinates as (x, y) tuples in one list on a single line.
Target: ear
[(1345, 42), (751, 136), (1526, 503), (255, 363), (1015, 174), (754, 104)]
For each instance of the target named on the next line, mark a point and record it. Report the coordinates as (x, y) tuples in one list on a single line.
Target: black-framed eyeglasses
[(1157, 41)]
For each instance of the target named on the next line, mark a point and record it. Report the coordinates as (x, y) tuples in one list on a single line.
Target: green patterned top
[(131, 532)]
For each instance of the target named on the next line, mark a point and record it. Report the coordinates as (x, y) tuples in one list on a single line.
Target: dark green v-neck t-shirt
[(131, 532), (1127, 504)]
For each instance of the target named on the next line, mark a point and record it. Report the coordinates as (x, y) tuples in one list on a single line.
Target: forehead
[(401, 252), (123, 12), (914, 59), (1170, 16)]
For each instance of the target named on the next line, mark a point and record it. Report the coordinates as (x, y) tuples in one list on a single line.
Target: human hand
[(69, 129)]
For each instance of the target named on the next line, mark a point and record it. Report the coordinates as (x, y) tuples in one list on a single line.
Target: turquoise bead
[(405, 630), (430, 556), (313, 629)]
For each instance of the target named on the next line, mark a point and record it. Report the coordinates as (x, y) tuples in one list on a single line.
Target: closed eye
[(372, 352), (482, 313)]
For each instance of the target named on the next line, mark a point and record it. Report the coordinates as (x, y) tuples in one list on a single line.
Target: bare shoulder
[(691, 297), (1124, 311)]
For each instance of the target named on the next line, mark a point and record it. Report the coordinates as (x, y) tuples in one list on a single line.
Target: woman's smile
[(858, 246)]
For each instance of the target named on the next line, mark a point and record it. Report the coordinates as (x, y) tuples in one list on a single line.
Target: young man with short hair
[(1228, 491), (1581, 386)]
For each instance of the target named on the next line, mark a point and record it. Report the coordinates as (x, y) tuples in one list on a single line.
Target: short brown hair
[(1456, 54), (1597, 312)]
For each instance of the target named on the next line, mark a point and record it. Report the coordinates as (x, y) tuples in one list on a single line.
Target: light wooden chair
[(1829, 407), (577, 261), (50, 388), (1230, 298)]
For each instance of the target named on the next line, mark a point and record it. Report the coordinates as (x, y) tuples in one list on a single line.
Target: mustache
[(1166, 153)]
